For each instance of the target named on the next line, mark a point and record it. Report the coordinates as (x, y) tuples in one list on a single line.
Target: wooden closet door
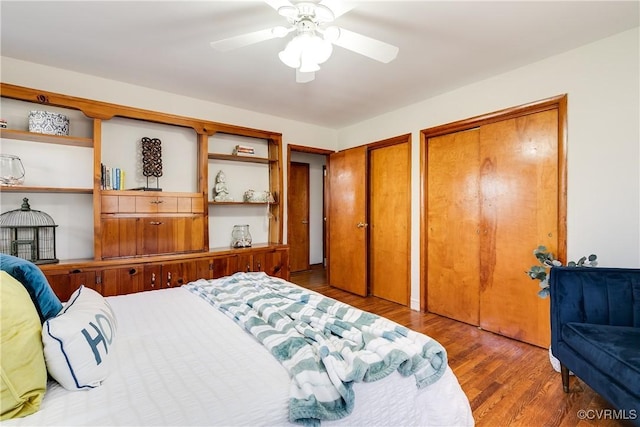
[(519, 202), (390, 222), (453, 217), (298, 222), (347, 218)]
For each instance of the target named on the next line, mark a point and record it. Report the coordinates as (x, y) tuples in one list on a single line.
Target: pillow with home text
[(78, 342)]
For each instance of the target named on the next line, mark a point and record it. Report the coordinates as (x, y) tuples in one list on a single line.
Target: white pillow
[(78, 342)]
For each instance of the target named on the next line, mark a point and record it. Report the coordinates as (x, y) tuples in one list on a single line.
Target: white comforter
[(171, 371)]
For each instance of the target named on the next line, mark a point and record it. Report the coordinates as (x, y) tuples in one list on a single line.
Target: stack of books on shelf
[(111, 178), (242, 150)]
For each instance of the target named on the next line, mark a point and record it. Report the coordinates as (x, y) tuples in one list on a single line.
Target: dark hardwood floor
[(508, 383)]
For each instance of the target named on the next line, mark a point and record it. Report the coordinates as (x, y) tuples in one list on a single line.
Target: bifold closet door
[(519, 211), (453, 218)]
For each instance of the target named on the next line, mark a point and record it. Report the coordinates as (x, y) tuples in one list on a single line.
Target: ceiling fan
[(314, 37)]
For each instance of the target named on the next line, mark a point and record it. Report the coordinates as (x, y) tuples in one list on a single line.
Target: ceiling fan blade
[(277, 4), (304, 77), (242, 40), (338, 7), (374, 49)]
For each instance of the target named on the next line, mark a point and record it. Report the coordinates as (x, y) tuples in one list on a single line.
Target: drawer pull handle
[(155, 222), (156, 202)]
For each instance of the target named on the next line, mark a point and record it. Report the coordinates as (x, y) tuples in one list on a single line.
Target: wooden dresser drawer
[(118, 204), (143, 203), (156, 204)]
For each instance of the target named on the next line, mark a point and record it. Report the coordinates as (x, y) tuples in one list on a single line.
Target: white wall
[(602, 83)]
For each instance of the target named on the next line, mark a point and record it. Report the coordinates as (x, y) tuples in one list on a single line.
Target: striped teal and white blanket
[(324, 344)]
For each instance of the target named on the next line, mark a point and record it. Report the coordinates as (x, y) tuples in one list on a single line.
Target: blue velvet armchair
[(595, 332)]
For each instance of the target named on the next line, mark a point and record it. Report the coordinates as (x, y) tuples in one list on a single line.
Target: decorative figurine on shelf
[(221, 193), (152, 161)]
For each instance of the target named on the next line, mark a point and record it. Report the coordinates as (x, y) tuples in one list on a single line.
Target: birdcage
[(28, 234)]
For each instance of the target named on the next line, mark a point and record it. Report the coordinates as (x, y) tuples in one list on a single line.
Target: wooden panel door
[(119, 237), (147, 236), (347, 220), (223, 266), (200, 269), (187, 234), (258, 261), (298, 223), (66, 283), (245, 263), (123, 280), (166, 232), (519, 190), (453, 217), (277, 263), (176, 274), (390, 222)]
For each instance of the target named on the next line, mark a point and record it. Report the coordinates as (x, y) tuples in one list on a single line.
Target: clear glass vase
[(11, 170), (240, 236)]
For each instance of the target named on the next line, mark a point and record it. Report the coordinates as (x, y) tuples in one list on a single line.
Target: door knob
[(362, 224), (304, 221)]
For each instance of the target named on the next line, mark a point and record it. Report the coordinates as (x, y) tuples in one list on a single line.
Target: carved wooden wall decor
[(152, 159)]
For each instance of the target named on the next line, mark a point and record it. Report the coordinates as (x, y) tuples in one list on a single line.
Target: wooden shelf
[(36, 189), (233, 158), (41, 137), (149, 193), (266, 166), (213, 202)]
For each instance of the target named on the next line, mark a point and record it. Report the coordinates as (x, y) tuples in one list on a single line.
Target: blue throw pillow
[(32, 278)]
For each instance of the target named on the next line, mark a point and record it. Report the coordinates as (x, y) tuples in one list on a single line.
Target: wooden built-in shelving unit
[(123, 212)]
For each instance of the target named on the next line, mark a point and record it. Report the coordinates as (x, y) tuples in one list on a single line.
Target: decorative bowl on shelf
[(253, 196), (48, 123), (11, 170)]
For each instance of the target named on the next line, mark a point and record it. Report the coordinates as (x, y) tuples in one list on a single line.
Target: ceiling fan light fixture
[(289, 12), (331, 34), (289, 58), (306, 51), (308, 66), (318, 49), (314, 37), (293, 52), (323, 13), (280, 31)]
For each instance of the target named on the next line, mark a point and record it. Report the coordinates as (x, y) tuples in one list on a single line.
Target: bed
[(176, 357)]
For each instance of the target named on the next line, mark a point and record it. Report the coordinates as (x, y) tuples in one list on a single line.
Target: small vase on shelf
[(240, 236), (11, 170)]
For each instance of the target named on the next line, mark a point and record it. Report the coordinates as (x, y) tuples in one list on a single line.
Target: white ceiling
[(165, 45)]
